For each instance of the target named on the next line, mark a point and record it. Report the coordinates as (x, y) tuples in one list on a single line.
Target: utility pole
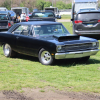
[(52, 3), (19, 3), (11, 3), (55, 3)]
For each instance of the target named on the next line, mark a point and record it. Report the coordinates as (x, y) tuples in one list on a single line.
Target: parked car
[(12, 15), (47, 41), (87, 24), (5, 20), (42, 16), (55, 10)]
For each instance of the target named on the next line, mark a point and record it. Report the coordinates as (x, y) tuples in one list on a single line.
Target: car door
[(23, 39)]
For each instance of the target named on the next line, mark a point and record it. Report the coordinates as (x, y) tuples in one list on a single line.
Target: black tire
[(8, 52), (45, 57)]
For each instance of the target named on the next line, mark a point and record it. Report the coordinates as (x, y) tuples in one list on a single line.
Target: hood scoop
[(66, 38)]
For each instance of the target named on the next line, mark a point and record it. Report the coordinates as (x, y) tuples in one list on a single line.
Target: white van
[(21, 10), (83, 4)]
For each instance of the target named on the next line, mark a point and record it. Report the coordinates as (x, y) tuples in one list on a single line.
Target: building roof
[(85, 0)]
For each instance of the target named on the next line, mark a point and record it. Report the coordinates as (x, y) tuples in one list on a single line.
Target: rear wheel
[(45, 57), (8, 52)]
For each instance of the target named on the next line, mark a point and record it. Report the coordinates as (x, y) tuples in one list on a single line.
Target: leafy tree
[(21, 4), (99, 5), (40, 4), (7, 4), (68, 6), (62, 5), (47, 4)]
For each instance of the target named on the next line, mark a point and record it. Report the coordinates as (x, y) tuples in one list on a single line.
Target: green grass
[(25, 71), (65, 16), (68, 25)]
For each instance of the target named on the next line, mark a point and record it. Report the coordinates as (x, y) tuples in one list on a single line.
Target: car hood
[(67, 39)]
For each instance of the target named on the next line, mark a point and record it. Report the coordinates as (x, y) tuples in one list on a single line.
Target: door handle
[(17, 37)]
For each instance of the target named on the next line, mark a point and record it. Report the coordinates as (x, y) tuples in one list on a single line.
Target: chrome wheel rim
[(6, 50), (45, 57)]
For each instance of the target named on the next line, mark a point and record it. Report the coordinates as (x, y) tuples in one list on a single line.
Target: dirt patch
[(46, 94), (13, 95)]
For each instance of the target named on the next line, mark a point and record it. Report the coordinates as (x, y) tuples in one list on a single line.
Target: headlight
[(59, 48), (97, 44), (55, 20), (94, 44)]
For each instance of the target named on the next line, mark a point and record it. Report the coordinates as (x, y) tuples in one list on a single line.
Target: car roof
[(89, 11), (85, 0), (38, 23), (3, 12), (42, 11), (33, 23)]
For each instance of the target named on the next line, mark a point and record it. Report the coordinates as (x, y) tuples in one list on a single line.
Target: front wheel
[(45, 57), (8, 52)]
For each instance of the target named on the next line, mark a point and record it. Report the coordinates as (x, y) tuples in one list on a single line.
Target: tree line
[(39, 4)]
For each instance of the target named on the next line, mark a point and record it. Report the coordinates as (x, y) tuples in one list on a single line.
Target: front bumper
[(77, 54)]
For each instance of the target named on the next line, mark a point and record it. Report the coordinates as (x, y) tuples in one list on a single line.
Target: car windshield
[(3, 17), (54, 29), (42, 14), (88, 16)]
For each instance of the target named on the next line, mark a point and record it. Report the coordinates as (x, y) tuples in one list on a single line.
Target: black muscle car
[(47, 41)]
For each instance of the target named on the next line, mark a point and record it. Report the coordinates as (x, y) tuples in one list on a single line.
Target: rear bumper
[(92, 34), (4, 29), (77, 54)]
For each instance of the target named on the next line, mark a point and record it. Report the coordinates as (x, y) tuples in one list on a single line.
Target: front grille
[(77, 47)]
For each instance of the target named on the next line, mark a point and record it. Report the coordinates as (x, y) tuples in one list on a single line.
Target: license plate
[(89, 25), (78, 55)]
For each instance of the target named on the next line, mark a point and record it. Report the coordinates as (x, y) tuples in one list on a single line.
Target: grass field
[(65, 16), (25, 71), (68, 25)]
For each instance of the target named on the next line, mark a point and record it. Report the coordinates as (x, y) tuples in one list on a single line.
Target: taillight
[(27, 18), (9, 25), (98, 21), (77, 21)]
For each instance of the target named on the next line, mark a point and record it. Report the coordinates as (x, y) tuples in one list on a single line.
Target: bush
[(7, 4)]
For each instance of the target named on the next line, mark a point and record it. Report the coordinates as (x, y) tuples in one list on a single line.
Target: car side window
[(17, 30), (23, 30)]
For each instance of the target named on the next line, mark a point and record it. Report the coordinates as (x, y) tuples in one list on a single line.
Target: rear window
[(43, 14), (88, 16), (3, 17)]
